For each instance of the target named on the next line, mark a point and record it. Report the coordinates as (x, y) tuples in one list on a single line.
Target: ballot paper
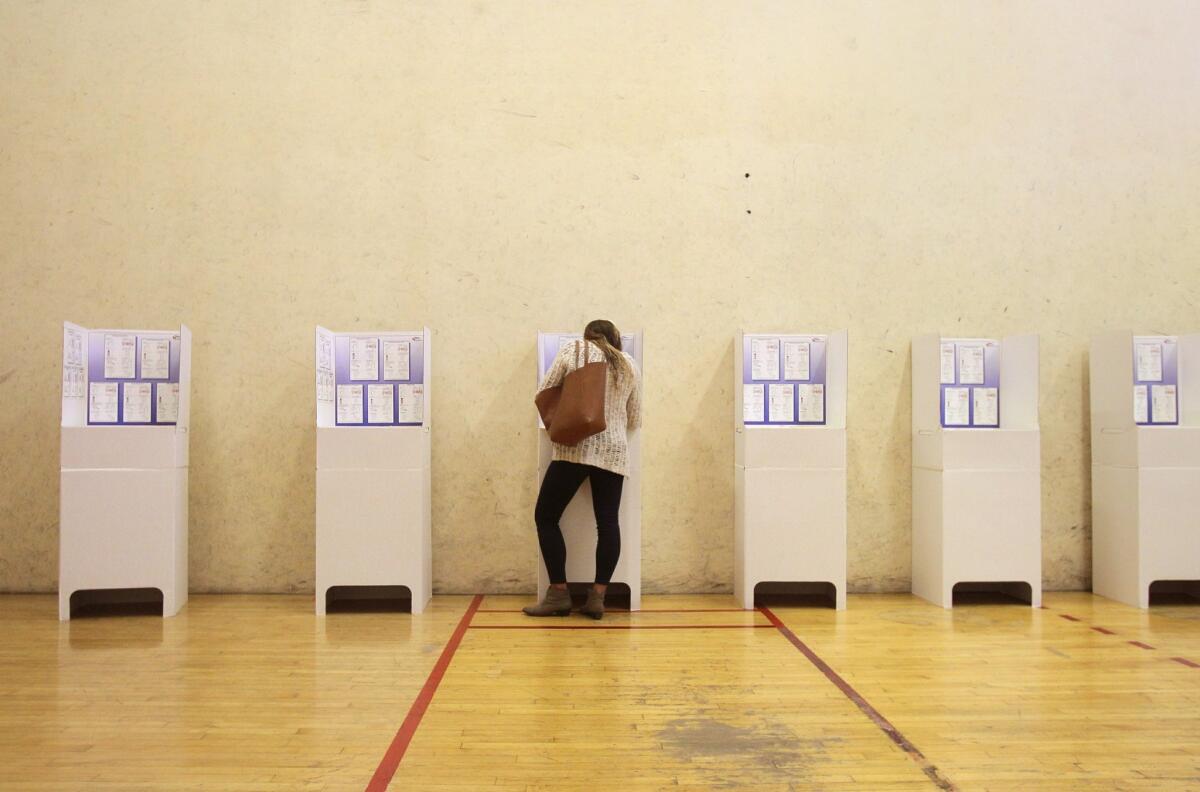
[(987, 406), (782, 402), (957, 406), (812, 403), (1141, 404), (102, 402), (410, 403), (947, 362), (380, 400), (167, 402), (764, 358), (1162, 404), (1149, 361), (796, 356), (350, 404), (753, 407), (136, 396), (395, 360), (119, 356), (970, 364), (364, 359), (156, 358)]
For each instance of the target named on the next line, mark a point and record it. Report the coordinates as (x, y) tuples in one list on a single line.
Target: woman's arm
[(633, 407), (558, 370)]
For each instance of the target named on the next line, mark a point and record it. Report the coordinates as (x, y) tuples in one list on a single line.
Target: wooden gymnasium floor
[(255, 693)]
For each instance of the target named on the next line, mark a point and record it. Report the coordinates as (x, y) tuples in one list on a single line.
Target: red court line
[(1140, 645), (931, 771), (1067, 616), (1186, 662), (643, 610), (618, 626), (395, 752), (1104, 630)]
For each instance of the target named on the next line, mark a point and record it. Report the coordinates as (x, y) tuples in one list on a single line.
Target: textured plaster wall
[(492, 168)]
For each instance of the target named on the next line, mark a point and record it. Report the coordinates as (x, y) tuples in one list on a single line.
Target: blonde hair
[(604, 334)]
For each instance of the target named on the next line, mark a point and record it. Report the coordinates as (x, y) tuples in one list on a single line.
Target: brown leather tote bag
[(574, 410)]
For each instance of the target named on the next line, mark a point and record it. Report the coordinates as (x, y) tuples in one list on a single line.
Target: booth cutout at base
[(116, 602), (1017, 592), (368, 599)]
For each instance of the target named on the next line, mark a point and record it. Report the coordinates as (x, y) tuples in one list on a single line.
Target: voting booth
[(976, 466), (1145, 410), (790, 461), (578, 522), (123, 519), (373, 464)]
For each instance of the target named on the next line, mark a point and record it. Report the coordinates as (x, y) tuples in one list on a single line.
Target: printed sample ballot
[(349, 404), (102, 402), (947, 363), (957, 406), (753, 407), (1162, 404), (1141, 404), (782, 400), (119, 355), (987, 406), (764, 358), (379, 404), (395, 360), (795, 360), (411, 403), (156, 358), (137, 402), (1149, 362), (970, 364), (812, 403), (364, 359), (166, 396)]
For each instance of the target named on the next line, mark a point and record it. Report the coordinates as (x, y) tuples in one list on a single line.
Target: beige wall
[(489, 169)]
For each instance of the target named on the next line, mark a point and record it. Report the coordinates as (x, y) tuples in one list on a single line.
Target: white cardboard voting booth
[(790, 461), (373, 463), (976, 465), (1145, 410), (123, 519), (578, 522)]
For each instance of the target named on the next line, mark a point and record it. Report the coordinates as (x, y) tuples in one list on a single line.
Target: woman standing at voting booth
[(589, 400)]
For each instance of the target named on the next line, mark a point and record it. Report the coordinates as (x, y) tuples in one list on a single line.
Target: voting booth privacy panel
[(976, 465), (1145, 411), (790, 461), (373, 462), (578, 521), (124, 463)]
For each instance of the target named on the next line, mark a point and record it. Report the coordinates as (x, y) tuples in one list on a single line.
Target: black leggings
[(558, 487)]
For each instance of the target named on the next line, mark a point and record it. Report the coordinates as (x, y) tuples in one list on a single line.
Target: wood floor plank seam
[(930, 770), (395, 752)]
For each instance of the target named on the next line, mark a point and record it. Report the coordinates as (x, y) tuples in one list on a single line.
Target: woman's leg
[(606, 504), (559, 485)]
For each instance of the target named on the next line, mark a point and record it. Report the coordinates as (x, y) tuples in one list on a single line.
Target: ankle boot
[(594, 606), (556, 603)]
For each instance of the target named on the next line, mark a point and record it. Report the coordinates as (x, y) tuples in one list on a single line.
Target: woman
[(602, 459)]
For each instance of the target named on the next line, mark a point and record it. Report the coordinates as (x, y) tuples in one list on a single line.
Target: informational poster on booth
[(783, 379), (388, 370), (969, 377), (128, 376), (1156, 380)]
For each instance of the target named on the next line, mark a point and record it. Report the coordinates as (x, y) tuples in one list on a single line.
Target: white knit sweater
[(609, 449)]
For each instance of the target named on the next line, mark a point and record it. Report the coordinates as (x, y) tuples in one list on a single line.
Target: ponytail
[(604, 335)]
